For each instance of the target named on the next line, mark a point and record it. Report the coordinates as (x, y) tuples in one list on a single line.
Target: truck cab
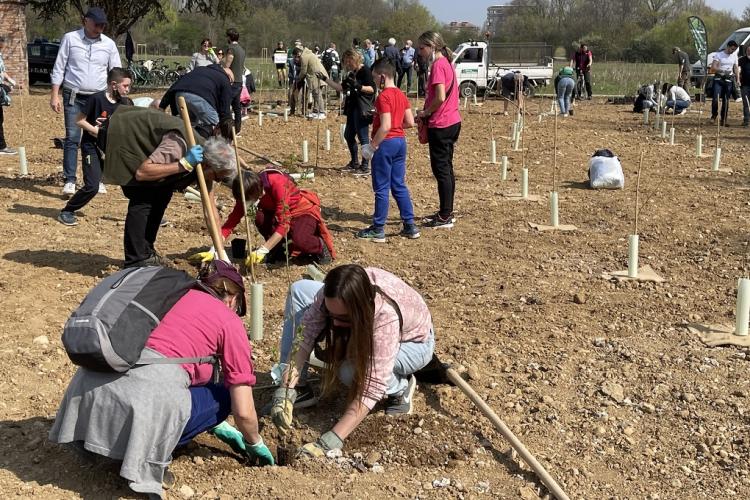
[(42, 55), (478, 62), (698, 69)]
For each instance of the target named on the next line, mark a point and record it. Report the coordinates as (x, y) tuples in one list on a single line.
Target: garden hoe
[(439, 372)]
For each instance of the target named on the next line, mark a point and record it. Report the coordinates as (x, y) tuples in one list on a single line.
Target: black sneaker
[(410, 231), (434, 216), (67, 218), (163, 222), (362, 172), (372, 233), (324, 257), (351, 166), (153, 260), (402, 404), (305, 397)]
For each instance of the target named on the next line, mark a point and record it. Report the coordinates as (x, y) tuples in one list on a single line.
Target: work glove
[(260, 452), (368, 151), (325, 443), (321, 76), (231, 436), (282, 408), (256, 256), (206, 256), (192, 158)]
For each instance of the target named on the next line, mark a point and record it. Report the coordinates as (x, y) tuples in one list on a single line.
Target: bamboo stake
[(262, 157), (554, 161), (317, 140), (637, 194), (206, 200), (250, 243)]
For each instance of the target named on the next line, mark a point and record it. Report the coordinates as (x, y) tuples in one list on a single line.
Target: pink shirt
[(386, 335), (447, 114), (200, 325)]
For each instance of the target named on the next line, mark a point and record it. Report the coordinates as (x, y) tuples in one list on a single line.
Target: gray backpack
[(110, 328)]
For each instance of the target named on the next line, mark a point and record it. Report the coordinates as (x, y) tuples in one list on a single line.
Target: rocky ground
[(598, 378)]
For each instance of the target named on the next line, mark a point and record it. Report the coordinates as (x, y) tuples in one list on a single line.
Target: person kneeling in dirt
[(678, 100), (147, 154), (376, 333), (140, 416), (513, 86)]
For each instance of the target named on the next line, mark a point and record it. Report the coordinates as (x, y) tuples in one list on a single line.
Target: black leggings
[(442, 142)]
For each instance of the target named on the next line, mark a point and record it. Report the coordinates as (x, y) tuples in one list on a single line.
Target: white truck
[(477, 63)]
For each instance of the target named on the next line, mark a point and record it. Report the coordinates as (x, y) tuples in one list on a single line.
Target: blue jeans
[(678, 104), (356, 127), (72, 132), (745, 94), (210, 406), (411, 356), (722, 89), (204, 113), (389, 176), (565, 88)]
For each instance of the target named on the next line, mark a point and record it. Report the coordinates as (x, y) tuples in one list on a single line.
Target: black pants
[(3, 145), (92, 176), (421, 79), (146, 207), (405, 71), (586, 83), (237, 106), (442, 142)]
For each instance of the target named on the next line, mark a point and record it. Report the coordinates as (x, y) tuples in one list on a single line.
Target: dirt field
[(599, 379)]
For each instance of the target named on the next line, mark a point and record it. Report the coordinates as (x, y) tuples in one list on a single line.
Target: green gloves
[(231, 436), (260, 452), (325, 443), (282, 408)]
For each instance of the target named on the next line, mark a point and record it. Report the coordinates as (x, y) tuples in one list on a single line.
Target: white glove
[(368, 151)]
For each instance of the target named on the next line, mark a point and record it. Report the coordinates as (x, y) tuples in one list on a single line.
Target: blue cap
[(97, 15)]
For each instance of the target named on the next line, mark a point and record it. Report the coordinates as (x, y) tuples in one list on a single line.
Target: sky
[(475, 11)]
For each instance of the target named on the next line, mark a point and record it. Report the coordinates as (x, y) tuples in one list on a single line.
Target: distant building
[(13, 28), (456, 26), (496, 16)]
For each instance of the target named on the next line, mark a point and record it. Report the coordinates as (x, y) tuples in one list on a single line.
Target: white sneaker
[(320, 116), (69, 188), (102, 189)]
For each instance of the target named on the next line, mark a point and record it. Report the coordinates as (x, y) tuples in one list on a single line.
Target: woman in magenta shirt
[(443, 122)]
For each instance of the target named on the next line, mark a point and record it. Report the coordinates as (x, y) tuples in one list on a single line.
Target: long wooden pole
[(517, 445), (250, 243), (262, 157), (206, 200)]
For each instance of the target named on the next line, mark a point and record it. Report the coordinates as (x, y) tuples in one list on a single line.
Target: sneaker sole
[(441, 226), (66, 223), (374, 240), (411, 236), (427, 220)]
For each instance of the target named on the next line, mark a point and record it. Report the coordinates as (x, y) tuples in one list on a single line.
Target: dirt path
[(674, 424)]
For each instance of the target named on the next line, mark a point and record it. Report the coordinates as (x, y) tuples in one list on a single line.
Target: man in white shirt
[(726, 72), (677, 98), (84, 58)]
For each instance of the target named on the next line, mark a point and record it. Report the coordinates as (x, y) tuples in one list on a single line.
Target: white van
[(698, 69)]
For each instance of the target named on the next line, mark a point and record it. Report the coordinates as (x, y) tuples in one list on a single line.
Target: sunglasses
[(220, 53)]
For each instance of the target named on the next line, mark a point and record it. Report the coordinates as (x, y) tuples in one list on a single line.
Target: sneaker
[(434, 216), (410, 231), (163, 222), (8, 151), (565, 115), (372, 233), (305, 397), (69, 188), (682, 112), (324, 257), (102, 189), (67, 218), (402, 404), (361, 172), (319, 116), (745, 124), (154, 260), (439, 222), (351, 166), (169, 479)]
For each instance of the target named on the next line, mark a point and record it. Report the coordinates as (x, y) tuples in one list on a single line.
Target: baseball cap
[(97, 15), (218, 269)]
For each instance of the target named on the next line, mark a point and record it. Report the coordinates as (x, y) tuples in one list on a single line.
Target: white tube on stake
[(514, 132), (342, 131), (717, 160), (553, 206), (256, 311), (645, 115), (664, 129), (260, 118), (525, 183), (632, 256), (328, 139), (699, 145), (671, 136), (475, 99), (743, 306), (286, 114), (304, 151), (493, 151), (22, 158), (504, 161)]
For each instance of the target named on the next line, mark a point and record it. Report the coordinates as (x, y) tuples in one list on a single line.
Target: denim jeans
[(722, 90), (389, 176), (92, 174), (745, 94), (679, 105), (411, 356), (72, 132), (356, 127), (204, 113), (210, 406), (565, 88)]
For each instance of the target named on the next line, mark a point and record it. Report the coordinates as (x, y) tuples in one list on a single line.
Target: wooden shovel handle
[(206, 200), (517, 445)]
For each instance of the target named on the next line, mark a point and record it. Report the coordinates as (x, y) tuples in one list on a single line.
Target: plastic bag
[(605, 171)]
